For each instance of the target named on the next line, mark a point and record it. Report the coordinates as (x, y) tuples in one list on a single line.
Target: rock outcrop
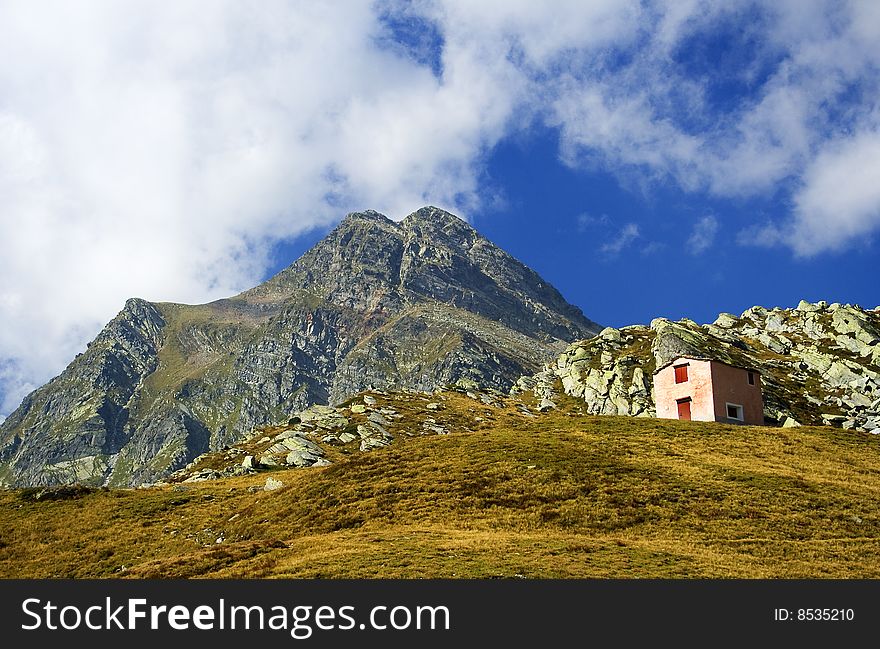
[(367, 422), (418, 304), (820, 363)]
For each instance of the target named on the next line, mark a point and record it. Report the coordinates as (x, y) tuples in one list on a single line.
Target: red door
[(684, 409)]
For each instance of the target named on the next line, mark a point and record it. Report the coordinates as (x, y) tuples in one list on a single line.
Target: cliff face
[(820, 363), (418, 304)]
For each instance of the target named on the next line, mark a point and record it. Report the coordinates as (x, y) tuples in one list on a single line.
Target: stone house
[(703, 389)]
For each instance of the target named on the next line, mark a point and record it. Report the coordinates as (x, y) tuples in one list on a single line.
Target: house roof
[(695, 357)]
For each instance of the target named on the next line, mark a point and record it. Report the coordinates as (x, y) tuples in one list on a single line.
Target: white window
[(735, 411)]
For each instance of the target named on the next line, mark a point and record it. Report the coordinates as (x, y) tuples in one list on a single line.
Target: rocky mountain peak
[(367, 217), (419, 304)]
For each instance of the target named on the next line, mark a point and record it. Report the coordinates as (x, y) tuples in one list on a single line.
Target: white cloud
[(653, 117), (840, 198), (703, 235), (623, 239), (160, 149)]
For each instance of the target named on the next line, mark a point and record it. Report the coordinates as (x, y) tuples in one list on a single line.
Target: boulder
[(610, 334), (272, 484), (725, 320), (807, 307), (370, 443), (545, 405)]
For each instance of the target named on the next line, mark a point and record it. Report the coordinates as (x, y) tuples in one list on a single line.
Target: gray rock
[(377, 430), (726, 320), (807, 307), (545, 405), (272, 484), (370, 443), (204, 475), (377, 418), (610, 334)]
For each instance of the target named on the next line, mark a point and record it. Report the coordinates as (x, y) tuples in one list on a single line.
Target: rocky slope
[(321, 435), (418, 304), (820, 363)]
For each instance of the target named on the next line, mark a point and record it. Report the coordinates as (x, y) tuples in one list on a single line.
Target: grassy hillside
[(557, 495)]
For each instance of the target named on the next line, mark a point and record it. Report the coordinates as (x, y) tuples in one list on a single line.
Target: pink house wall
[(698, 387), (731, 385), (711, 386)]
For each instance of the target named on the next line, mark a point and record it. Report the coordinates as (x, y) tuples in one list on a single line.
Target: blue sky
[(647, 157)]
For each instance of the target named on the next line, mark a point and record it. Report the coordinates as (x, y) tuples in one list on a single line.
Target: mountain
[(820, 363), (419, 304)]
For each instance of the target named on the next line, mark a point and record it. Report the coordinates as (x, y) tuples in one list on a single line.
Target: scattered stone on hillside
[(285, 434), (346, 437), (790, 422), (370, 443), (250, 462), (302, 452), (433, 406), (370, 401), (545, 405), (813, 359), (203, 475), (377, 430), (272, 484), (357, 408), (377, 418)]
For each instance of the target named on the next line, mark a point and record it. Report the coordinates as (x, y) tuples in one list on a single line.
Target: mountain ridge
[(419, 303)]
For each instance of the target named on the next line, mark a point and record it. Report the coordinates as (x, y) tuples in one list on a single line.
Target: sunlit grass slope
[(558, 495)]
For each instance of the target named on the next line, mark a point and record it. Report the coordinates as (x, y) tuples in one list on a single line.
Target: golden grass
[(562, 495)]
